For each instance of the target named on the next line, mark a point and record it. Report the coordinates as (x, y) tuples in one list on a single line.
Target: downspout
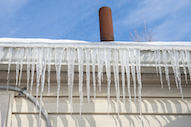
[(20, 90), (106, 24)]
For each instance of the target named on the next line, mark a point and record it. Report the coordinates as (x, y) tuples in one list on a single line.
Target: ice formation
[(80, 69), (119, 58), (9, 65)]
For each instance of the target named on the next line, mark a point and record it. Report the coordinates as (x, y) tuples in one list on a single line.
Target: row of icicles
[(129, 61)]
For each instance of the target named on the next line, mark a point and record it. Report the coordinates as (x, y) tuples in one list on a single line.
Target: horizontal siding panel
[(176, 106), (103, 121), (27, 121)]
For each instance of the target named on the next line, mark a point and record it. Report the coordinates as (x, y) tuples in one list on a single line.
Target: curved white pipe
[(44, 112)]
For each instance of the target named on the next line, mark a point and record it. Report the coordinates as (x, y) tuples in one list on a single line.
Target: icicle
[(138, 68), (108, 73), (184, 66), (132, 60), (28, 52), (34, 50), (58, 61), (87, 52), (100, 67), (17, 64), (116, 75), (188, 62), (156, 59), (49, 52), (71, 54), (159, 63), (44, 69), (93, 54), (128, 76), (9, 66), (21, 64), (38, 69), (166, 68), (80, 69), (42, 80), (122, 54), (173, 62), (1, 53), (178, 72)]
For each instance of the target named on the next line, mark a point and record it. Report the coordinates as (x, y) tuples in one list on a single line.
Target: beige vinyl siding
[(160, 107), (163, 109), (25, 120)]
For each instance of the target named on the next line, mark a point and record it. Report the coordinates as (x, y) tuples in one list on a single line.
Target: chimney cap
[(106, 24)]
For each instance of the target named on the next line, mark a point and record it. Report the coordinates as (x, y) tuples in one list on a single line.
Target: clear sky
[(79, 20)]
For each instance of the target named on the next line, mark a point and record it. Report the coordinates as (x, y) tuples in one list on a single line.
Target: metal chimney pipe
[(106, 24)]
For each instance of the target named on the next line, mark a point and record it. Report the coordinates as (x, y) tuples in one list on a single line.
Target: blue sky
[(78, 19)]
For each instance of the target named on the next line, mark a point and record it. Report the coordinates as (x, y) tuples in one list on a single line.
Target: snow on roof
[(28, 42)]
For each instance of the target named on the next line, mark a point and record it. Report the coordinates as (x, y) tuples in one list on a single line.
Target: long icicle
[(28, 52), (49, 53), (38, 70), (42, 80), (128, 77), (182, 54), (9, 66), (159, 64), (132, 59), (100, 67), (21, 64), (58, 61), (176, 53), (87, 52), (123, 61), (108, 73), (173, 62), (166, 68), (138, 67), (156, 59), (93, 55), (18, 52), (34, 50), (80, 69), (116, 75), (70, 57)]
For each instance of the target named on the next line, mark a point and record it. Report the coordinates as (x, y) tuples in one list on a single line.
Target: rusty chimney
[(106, 24)]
